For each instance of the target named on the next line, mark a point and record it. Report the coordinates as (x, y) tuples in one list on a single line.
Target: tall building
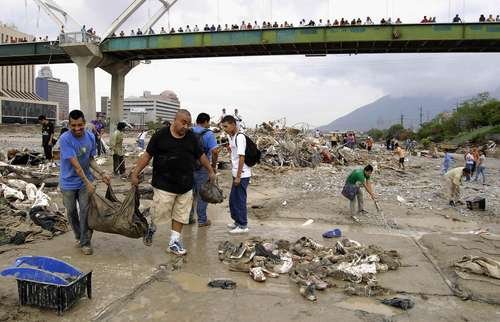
[(52, 89), (148, 108), (18, 101)]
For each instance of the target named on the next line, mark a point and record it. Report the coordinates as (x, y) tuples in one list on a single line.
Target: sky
[(312, 90)]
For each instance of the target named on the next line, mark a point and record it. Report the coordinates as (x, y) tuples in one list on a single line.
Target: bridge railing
[(78, 37)]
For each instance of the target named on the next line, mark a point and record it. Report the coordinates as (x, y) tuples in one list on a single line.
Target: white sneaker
[(239, 230), (232, 225)]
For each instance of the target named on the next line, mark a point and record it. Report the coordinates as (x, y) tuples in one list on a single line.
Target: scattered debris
[(311, 265), (223, 284), (402, 303), (479, 265)]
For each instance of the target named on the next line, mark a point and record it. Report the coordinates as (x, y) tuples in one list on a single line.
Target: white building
[(148, 108)]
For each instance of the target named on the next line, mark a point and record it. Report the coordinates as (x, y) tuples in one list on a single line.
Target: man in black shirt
[(174, 150), (47, 137)]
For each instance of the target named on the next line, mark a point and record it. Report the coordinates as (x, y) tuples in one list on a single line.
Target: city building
[(148, 108), (18, 101), (52, 89)]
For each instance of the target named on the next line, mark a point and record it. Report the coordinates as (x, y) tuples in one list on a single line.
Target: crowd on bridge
[(247, 25)]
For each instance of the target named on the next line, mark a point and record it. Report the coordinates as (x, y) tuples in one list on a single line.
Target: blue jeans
[(78, 220), (469, 166), (200, 177), (140, 143), (480, 171), (238, 203)]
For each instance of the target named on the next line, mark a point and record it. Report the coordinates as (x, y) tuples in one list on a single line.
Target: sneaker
[(205, 224), (232, 225), (239, 230), (87, 250), (177, 249), (362, 212), (148, 237)]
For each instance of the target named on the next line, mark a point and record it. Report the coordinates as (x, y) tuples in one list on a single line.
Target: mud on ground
[(132, 282)]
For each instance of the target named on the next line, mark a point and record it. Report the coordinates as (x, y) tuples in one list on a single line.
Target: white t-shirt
[(455, 175), (142, 135), (236, 151)]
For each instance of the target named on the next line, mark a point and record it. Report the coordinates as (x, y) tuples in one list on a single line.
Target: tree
[(395, 131), (376, 134)]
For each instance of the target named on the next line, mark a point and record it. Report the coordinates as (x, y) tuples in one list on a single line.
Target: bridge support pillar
[(118, 71), (87, 56)]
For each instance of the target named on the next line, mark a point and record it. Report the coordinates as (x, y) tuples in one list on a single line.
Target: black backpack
[(252, 153), (199, 139)]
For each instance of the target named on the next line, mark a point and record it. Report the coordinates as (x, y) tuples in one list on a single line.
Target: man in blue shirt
[(78, 149), (208, 143)]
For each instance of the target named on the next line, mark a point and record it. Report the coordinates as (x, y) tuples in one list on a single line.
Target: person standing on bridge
[(457, 19), (78, 150), (174, 150)]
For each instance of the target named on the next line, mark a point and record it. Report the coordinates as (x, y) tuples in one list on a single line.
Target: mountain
[(387, 111)]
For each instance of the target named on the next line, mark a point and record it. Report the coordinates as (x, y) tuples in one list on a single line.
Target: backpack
[(199, 139), (252, 153)]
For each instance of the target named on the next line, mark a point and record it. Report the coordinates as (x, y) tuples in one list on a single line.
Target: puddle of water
[(191, 282), (367, 305)]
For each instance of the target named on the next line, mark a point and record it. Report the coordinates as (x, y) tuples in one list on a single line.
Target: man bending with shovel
[(352, 189)]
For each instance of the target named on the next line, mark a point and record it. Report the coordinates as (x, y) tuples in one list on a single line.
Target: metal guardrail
[(78, 37)]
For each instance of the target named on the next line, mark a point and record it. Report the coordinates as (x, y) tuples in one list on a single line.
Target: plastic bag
[(112, 216), (10, 193), (211, 192)]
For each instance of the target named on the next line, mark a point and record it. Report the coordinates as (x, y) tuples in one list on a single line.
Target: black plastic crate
[(58, 297)]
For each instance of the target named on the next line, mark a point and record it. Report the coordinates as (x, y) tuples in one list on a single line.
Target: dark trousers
[(118, 164), (78, 219), (47, 150), (238, 203)]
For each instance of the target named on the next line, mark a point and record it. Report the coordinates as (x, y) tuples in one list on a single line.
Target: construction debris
[(27, 214), (311, 265)]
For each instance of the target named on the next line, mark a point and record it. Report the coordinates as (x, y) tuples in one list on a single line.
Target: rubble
[(311, 265), (27, 216)]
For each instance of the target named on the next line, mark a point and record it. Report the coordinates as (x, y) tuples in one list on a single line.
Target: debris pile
[(311, 265), (27, 213)]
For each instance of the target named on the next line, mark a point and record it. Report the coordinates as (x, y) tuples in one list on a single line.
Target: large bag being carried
[(211, 192), (109, 215)]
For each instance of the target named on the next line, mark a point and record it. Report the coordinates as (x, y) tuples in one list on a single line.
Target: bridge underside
[(432, 46), (421, 38)]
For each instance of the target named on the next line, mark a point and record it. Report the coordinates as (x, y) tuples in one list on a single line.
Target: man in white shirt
[(455, 176), (241, 177)]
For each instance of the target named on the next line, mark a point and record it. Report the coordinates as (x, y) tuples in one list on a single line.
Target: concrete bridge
[(119, 55)]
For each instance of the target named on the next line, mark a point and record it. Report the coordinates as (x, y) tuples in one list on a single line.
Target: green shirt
[(356, 176), (116, 142)]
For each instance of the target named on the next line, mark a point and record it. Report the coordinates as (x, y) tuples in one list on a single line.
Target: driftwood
[(29, 175)]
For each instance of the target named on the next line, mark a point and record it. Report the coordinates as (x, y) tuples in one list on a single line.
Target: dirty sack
[(211, 192), (109, 215), (479, 265)]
